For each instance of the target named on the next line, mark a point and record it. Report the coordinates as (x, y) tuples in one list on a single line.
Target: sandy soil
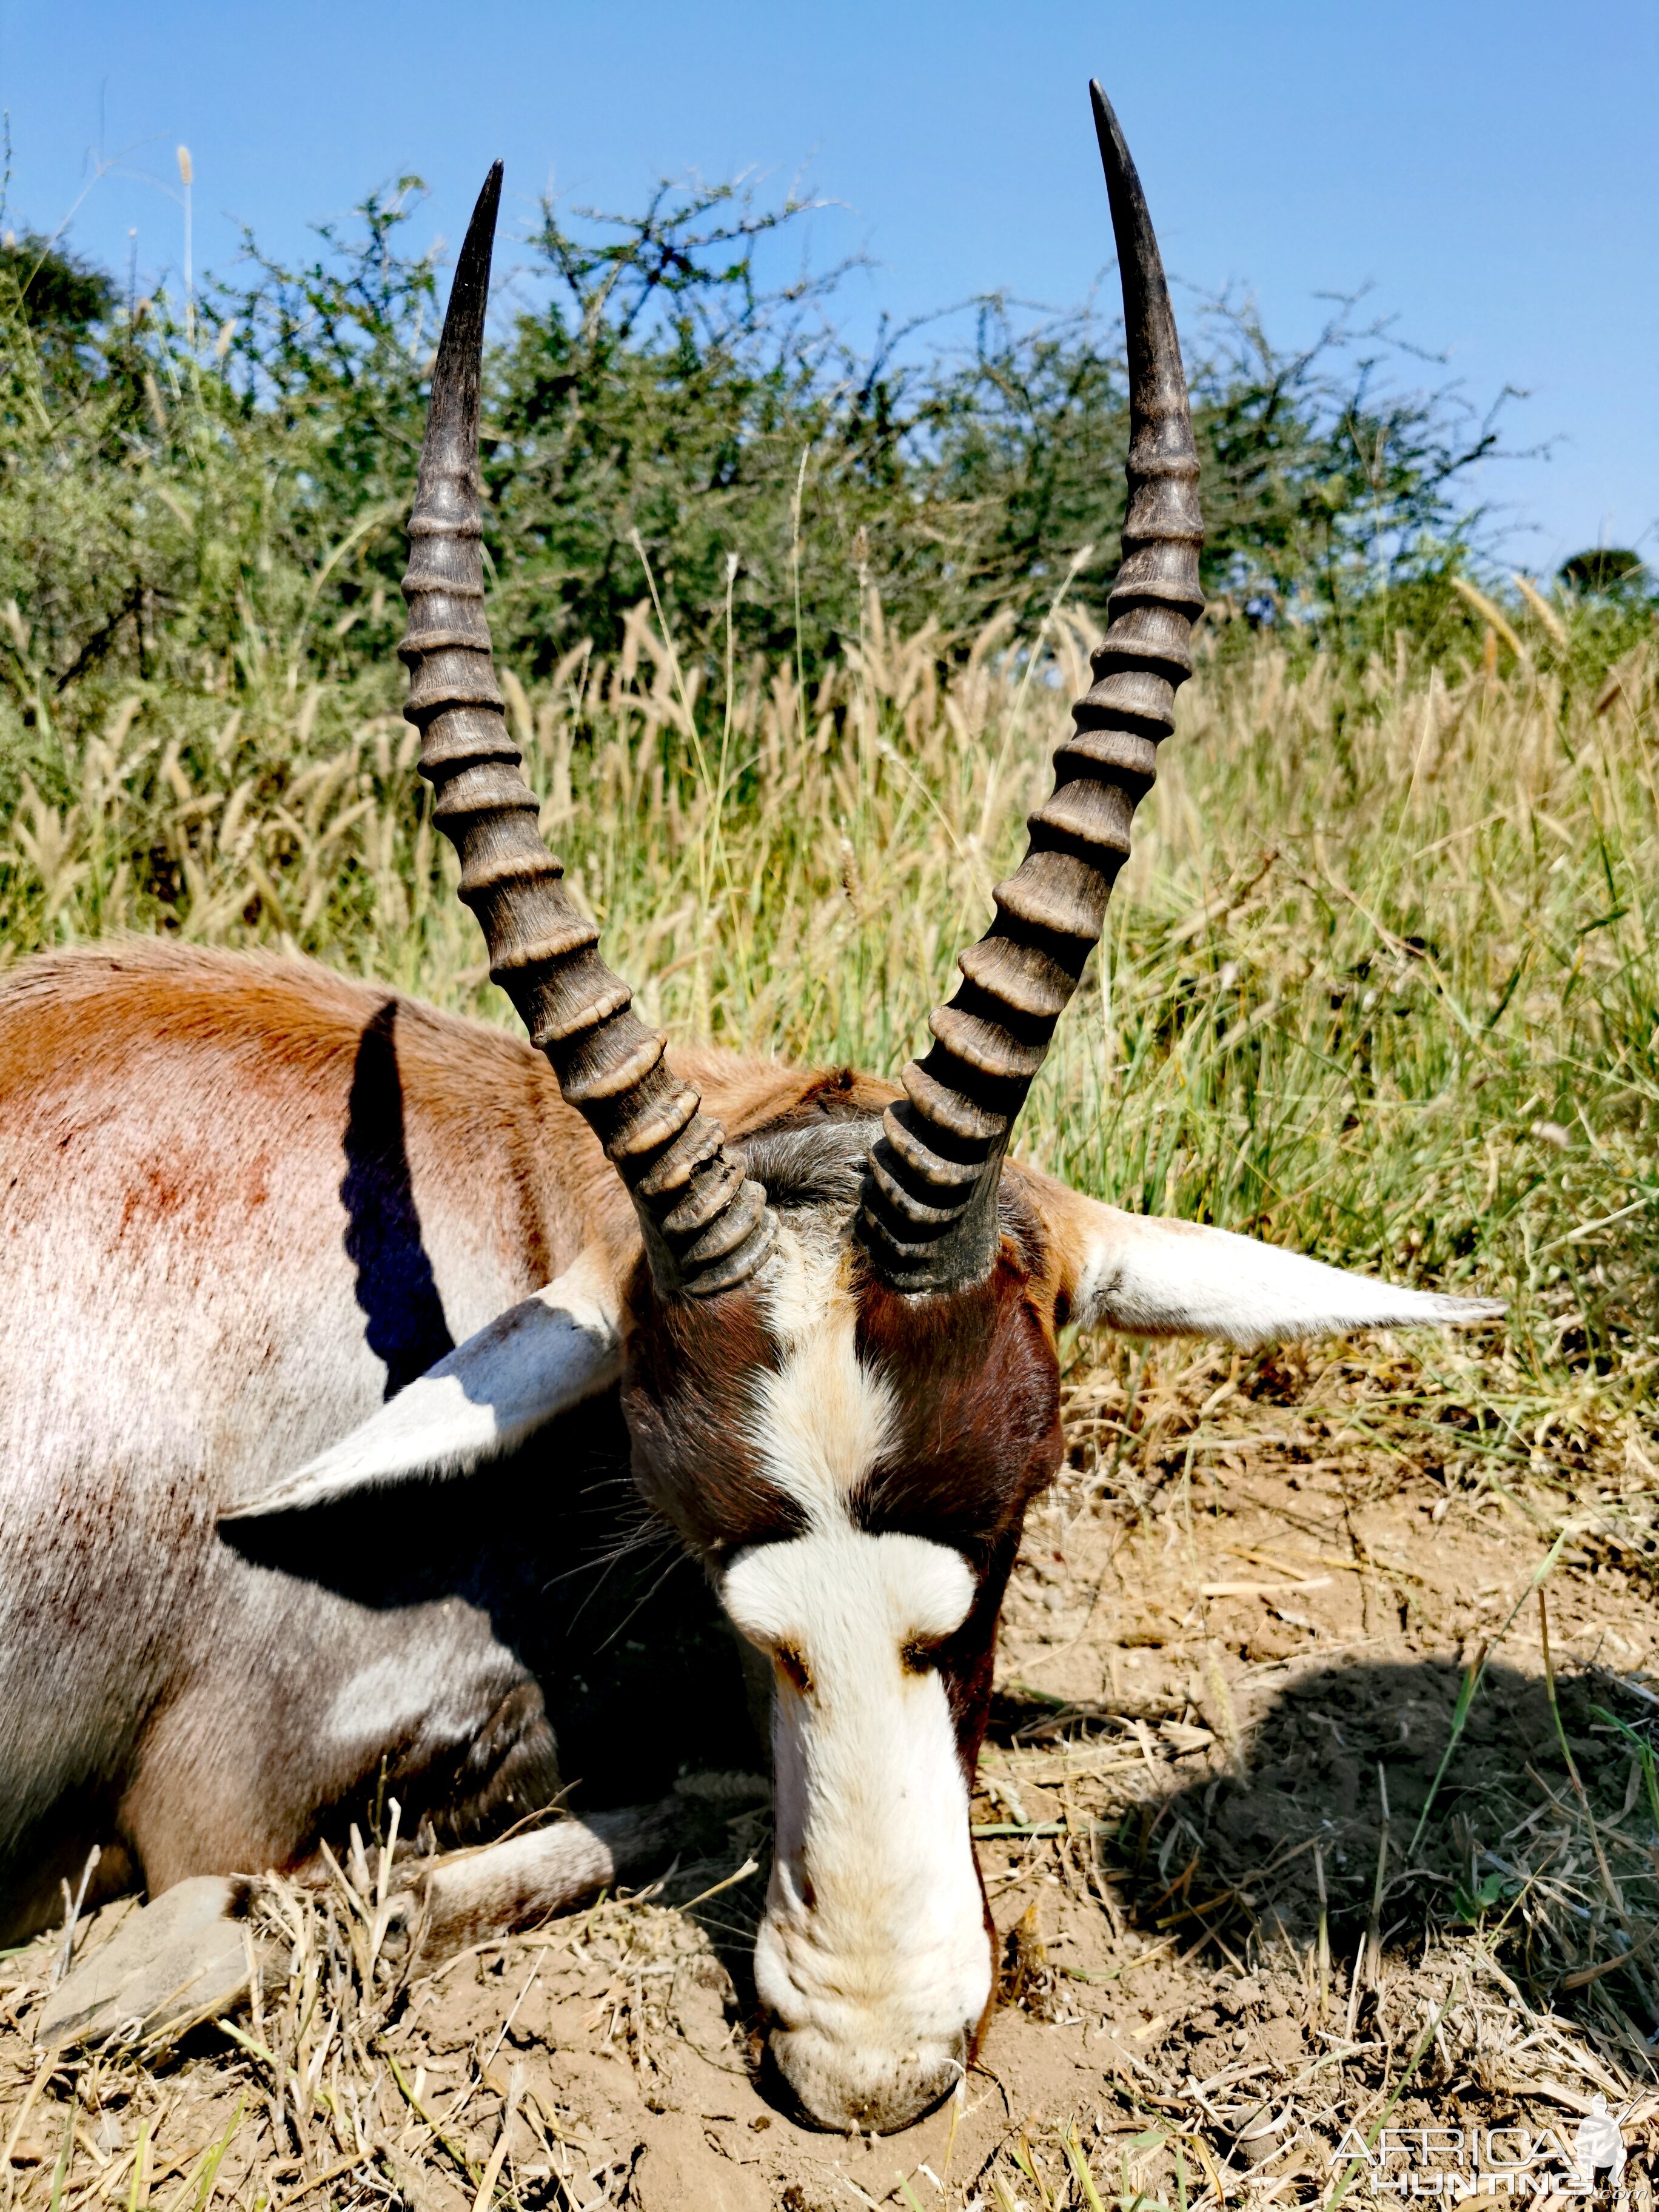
[(1239, 1915)]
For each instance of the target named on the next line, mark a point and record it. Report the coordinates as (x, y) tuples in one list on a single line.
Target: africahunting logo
[(1587, 2160)]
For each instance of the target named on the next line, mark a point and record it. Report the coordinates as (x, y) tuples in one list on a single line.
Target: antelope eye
[(790, 1664), (918, 1655)]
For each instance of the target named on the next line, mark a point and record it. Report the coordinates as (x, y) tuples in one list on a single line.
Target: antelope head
[(837, 1350)]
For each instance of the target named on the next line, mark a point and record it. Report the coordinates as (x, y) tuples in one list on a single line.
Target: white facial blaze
[(872, 1956), (822, 1420)]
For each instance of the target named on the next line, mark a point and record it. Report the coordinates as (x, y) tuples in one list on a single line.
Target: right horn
[(706, 1226), (928, 1219)]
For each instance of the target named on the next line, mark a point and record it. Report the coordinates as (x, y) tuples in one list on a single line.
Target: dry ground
[(1240, 1920)]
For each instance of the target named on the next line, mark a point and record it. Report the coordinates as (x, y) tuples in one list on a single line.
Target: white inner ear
[(1160, 1278), (520, 1371)]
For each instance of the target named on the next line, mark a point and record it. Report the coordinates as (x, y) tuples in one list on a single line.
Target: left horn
[(706, 1226), (928, 1218)]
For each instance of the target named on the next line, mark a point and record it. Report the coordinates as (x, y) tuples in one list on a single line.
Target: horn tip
[(1114, 147), (490, 194)]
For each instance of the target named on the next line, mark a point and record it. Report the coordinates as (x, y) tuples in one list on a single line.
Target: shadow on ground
[(1330, 1787)]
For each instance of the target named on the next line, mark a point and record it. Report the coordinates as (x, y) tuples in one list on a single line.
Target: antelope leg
[(468, 1895), (181, 1960)]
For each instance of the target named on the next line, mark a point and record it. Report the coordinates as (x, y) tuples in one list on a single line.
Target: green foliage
[(327, 364), (662, 402), (1325, 494), (60, 298), (1606, 571), (209, 498)]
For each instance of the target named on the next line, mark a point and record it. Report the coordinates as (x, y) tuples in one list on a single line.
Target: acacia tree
[(218, 498)]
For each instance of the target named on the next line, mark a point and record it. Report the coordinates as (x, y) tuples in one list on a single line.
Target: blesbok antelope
[(250, 1208)]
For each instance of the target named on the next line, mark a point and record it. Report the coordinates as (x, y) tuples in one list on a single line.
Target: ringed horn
[(706, 1226), (928, 1217)]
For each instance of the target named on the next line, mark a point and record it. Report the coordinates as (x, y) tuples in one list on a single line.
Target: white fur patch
[(1160, 1278), (872, 1956), (422, 1694), (527, 1365), (823, 1419)]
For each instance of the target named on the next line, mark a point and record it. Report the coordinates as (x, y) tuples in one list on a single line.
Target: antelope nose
[(860, 2087)]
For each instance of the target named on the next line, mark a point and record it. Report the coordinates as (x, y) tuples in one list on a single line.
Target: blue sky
[(1491, 172)]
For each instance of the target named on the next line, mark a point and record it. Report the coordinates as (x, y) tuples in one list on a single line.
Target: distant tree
[(1613, 568), (62, 301), (668, 408), (61, 296)]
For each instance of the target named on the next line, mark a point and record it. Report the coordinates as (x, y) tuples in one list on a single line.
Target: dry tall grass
[(1380, 984), (1380, 979)]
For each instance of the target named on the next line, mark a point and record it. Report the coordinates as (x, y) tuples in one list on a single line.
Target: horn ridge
[(928, 1216), (707, 1226)]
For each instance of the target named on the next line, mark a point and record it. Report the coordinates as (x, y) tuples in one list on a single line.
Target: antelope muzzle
[(874, 1958)]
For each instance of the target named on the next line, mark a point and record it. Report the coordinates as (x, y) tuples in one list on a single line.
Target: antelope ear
[(518, 1373), (1151, 1277)]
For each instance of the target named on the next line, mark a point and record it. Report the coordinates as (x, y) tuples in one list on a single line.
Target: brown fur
[(689, 1372), (242, 1201)]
